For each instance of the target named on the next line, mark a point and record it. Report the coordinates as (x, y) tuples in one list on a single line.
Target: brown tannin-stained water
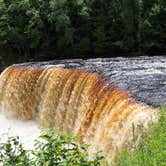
[(74, 100)]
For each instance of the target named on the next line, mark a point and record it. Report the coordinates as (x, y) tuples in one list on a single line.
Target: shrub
[(50, 149)]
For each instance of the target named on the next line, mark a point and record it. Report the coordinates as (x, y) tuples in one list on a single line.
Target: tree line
[(60, 28)]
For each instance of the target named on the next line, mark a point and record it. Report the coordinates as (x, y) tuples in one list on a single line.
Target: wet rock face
[(144, 77)]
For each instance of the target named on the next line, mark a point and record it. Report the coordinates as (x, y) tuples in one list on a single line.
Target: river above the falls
[(144, 77)]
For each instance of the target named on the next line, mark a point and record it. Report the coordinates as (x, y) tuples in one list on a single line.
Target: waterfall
[(75, 100)]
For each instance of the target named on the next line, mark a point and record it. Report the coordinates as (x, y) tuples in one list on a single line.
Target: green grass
[(151, 149)]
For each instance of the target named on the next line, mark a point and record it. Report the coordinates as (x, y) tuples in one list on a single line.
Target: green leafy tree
[(82, 27)]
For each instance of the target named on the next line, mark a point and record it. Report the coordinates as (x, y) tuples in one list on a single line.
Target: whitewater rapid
[(27, 131)]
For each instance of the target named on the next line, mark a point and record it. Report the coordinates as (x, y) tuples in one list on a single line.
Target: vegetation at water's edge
[(151, 150), (61, 150), (76, 28), (51, 149)]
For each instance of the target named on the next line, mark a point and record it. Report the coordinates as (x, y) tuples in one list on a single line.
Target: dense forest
[(81, 28)]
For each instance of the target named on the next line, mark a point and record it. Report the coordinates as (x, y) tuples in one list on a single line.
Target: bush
[(50, 149)]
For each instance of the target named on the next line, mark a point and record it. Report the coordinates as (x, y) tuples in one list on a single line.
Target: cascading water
[(74, 100)]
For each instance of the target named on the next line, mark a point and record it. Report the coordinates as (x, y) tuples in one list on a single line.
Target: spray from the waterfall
[(74, 100)]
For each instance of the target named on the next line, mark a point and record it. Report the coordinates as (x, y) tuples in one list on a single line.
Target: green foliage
[(51, 149), (12, 153), (83, 27), (151, 150)]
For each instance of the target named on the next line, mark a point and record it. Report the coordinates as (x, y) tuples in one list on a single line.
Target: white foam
[(27, 131)]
